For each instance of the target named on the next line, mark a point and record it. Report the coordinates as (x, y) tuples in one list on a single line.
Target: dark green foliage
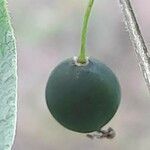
[(82, 98)]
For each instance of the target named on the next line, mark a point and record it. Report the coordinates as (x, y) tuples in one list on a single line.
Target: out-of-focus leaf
[(8, 80)]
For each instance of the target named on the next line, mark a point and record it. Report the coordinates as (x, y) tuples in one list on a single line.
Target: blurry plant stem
[(82, 57), (137, 39)]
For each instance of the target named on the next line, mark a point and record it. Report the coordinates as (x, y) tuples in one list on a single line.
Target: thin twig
[(137, 39)]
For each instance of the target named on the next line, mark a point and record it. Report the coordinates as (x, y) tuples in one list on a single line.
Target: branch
[(142, 53)]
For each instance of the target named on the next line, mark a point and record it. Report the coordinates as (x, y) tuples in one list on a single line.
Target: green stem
[(82, 57)]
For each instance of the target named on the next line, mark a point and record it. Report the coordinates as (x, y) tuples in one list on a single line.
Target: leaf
[(8, 80)]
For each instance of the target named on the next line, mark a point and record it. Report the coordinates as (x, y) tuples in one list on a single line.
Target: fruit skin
[(83, 98)]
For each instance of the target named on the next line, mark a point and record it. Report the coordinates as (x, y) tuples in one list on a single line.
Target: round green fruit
[(82, 98)]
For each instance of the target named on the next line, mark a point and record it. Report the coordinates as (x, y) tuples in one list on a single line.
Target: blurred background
[(47, 32)]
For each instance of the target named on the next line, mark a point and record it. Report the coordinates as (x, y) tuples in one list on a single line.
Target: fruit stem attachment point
[(80, 64), (82, 57)]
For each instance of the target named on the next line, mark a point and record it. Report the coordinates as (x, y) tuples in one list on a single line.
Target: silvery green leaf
[(8, 80)]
